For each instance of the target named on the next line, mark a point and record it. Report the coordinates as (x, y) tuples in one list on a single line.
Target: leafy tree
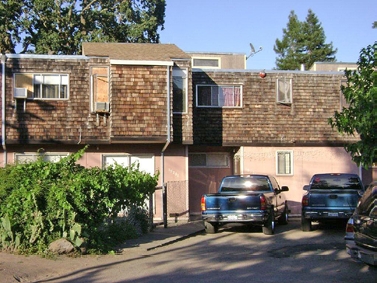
[(303, 43), (59, 27), (9, 20), (374, 25), (360, 117)]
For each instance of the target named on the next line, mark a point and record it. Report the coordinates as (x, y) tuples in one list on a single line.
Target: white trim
[(141, 62)]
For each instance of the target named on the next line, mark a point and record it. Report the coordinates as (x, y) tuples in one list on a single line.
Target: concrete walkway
[(161, 236)]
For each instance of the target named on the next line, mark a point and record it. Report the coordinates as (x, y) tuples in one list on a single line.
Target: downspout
[(168, 138), (167, 109), (3, 108)]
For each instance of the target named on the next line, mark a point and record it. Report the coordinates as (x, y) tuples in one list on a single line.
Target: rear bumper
[(362, 254), (327, 214), (237, 217)]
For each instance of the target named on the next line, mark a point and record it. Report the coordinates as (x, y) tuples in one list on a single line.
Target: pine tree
[(289, 48), (303, 43)]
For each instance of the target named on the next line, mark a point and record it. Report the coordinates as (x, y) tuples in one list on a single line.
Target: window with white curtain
[(284, 90), (218, 95)]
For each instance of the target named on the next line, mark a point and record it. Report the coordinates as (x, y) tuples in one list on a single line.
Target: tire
[(306, 224), (269, 226), (283, 219), (211, 228)]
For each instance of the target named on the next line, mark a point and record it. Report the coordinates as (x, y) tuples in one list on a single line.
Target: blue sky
[(231, 25)]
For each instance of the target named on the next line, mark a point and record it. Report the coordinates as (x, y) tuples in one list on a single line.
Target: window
[(42, 86), (343, 69), (31, 157), (218, 96), (99, 80), (284, 162), (213, 63), (179, 90), (50, 86), (145, 162), (284, 91), (214, 160)]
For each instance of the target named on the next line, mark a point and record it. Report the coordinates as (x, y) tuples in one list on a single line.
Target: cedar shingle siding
[(52, 121), (263, 121), (139, 101)]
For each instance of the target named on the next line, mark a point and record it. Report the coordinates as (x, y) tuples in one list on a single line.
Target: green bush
[(43, 201)]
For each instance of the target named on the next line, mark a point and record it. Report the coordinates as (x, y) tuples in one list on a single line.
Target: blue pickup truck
[(255, 200), (330, 196)]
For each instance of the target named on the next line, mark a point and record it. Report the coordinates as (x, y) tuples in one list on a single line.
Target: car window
[(246, 184), (336, 182)]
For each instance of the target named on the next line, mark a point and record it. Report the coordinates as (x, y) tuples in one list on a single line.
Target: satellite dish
[(252, 51), (252, 48)]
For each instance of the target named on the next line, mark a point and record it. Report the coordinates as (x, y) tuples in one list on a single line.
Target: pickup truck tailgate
[(233, 202), (333, 198)]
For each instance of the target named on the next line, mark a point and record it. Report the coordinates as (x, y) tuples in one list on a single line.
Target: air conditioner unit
[(102, 107), (20, 93)]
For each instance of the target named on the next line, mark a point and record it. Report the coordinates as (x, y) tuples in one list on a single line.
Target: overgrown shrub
[(43, 201)]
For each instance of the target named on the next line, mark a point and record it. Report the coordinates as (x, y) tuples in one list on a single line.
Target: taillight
[(203, 203), (305, 201), (263, 204), (349, 226)]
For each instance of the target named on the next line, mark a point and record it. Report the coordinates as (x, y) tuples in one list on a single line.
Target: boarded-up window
[(100, 88)]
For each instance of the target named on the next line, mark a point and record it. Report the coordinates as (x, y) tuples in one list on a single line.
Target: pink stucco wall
[(306, 162)]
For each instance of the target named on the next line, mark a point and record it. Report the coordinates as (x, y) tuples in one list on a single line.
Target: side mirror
[(306, 188), (284, 188)]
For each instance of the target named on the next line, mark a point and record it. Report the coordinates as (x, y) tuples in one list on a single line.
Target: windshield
[(336, 182), (255, 183)]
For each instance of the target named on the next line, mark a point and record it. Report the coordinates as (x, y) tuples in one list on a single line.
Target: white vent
[(102, 107), (20, 93)]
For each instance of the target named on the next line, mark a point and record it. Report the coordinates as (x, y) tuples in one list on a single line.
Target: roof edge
[(141, 62)]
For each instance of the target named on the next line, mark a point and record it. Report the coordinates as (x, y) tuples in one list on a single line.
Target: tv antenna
[(253, 51)]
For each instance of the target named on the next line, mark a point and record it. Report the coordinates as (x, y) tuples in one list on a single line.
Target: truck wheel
[(306, 224), (211, 228), (283, 219), (269, 226)]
